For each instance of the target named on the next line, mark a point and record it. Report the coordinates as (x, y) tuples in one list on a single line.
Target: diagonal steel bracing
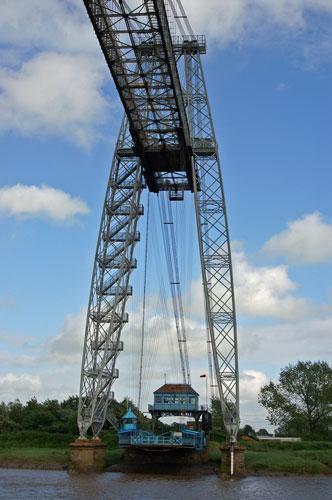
[(110, 287), (214, 242)]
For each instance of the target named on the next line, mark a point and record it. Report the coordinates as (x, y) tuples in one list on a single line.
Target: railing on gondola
[(187, 439)]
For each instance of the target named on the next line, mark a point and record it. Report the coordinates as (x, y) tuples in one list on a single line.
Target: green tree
[(247, 429), (70, 403), (16, 412), (216, 414), (301, 402), (262, 432), (218, 431)]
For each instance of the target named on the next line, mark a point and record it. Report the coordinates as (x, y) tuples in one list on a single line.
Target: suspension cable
[(179, 294), (178, 18), (173, 272), (144, 303)]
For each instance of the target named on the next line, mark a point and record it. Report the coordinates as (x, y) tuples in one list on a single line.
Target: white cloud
[(34, 201), (265, 291), (250, 383), (66, 347), (307, 240), (52, 71), (53, 384), (251, 412), (279, 344), (57, 94), (240, 20), (15, 339), (16, 386), (52, 24)]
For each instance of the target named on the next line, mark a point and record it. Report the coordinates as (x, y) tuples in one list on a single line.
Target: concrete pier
[(87, 455), (238, 460)]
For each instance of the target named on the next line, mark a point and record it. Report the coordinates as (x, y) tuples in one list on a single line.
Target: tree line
[(49, 416), (58, 417), (298, 405)]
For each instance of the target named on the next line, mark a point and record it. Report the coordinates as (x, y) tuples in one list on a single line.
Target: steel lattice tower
[(166, 143)]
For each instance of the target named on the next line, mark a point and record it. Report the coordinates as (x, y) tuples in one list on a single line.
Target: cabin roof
[(129, 414), (176, 389)]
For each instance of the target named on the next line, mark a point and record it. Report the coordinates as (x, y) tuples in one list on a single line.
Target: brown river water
[(17, 484)]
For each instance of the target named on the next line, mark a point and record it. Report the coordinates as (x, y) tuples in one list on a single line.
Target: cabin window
[(167, 400), (158, 399), (183, 400), (175, 400), (192, 400)]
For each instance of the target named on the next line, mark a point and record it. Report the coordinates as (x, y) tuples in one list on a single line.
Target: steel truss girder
[(214, 243), (136, 41), (109, 288)]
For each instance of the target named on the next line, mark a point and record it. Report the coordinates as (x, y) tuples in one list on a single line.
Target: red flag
[(201, 376)]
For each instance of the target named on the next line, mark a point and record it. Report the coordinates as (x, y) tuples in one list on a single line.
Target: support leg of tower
[(232, 460), (87, 455)]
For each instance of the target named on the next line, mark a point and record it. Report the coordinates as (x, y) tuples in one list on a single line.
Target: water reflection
[(56, 485)]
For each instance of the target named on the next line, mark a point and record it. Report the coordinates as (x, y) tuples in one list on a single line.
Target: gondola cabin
[(170, 399), (175, 397)]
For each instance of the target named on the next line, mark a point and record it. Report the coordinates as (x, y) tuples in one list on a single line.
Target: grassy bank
[(40, 458), (43, 450), (35, 449), (299, 458), (35, 439)]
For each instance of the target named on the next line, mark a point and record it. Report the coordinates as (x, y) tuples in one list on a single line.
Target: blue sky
[(268, 73)]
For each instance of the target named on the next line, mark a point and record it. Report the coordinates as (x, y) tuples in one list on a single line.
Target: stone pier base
[(239, 463), (87, 455)]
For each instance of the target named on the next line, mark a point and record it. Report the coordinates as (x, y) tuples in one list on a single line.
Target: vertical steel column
[(110, 285), (214, 244)]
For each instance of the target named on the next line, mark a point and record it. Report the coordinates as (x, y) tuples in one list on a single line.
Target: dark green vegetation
[(51, 416), (54, 417), (300, 404)]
